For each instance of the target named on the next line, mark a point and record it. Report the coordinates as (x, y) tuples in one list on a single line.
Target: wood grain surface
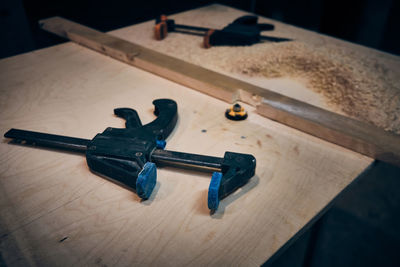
[(359, 136), (54, 211)]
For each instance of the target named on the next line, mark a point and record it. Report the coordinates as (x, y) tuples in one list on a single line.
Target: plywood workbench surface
[(54, 211)]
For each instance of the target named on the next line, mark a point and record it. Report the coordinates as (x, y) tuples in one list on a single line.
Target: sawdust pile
[(360, 87)]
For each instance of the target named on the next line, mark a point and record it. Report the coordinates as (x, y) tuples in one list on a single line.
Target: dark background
[(362, 227), (373, 23)]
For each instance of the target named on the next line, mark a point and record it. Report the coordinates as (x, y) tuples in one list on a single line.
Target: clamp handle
[(244, 30), (130, 115), (252, 21), (124, 154), (166, 111)]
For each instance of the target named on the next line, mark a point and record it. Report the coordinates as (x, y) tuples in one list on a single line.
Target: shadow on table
[(219, 213)]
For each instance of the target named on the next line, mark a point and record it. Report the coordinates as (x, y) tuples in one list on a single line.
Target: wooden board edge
[(349, 133)]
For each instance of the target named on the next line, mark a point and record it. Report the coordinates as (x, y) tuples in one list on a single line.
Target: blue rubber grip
[(146, 180), (161, 144), (213, 198)]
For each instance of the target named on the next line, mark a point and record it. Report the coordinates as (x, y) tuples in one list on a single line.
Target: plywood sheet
[(55, 211)]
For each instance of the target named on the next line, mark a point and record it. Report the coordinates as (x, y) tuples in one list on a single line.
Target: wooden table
[(54, 211)]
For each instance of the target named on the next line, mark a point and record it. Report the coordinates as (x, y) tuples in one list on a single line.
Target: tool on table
[(236, 113), (242, 31), (129, 155)]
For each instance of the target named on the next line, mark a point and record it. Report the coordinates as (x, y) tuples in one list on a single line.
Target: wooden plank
[(54, 210), (358, 136), (352, 134)]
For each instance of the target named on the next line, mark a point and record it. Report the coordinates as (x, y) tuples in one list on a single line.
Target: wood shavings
[(364, 90)]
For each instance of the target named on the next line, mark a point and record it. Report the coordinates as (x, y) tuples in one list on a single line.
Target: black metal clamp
[(242, 31), (129, 155)]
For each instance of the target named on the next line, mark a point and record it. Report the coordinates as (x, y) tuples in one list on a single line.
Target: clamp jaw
[(236, 171)]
